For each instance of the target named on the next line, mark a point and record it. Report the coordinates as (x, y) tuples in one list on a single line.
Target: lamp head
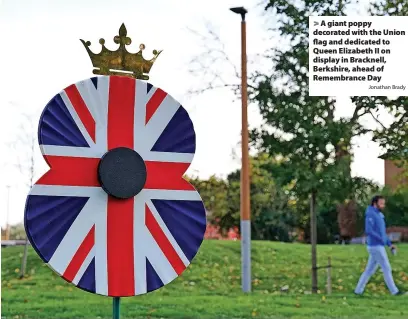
[(240, 10)]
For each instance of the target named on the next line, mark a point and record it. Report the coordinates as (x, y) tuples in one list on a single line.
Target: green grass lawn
[(210, 287)]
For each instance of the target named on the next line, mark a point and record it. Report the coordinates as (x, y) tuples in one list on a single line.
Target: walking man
[(376, 241)]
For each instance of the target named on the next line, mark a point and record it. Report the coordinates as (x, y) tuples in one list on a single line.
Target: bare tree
[(25, 148), (216, 69), (214, 65)]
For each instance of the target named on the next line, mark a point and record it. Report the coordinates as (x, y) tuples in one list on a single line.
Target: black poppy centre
[(122, 172)]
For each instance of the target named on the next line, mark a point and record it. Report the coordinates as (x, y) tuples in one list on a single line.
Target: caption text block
[(358, 56)]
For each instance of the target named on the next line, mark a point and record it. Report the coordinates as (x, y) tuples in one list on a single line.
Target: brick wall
[(391, 172)]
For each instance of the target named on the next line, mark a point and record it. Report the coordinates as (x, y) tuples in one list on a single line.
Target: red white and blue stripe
[(101, 244)]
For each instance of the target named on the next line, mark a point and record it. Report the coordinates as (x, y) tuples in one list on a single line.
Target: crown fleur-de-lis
[(121, 62)]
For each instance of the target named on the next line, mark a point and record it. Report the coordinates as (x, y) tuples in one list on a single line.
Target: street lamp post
[(245, 182)]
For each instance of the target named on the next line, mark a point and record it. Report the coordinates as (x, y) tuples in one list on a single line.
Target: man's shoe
[(357, 294), (401, 293)]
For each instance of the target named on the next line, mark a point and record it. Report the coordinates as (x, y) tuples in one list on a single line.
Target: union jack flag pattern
[(102, 244)]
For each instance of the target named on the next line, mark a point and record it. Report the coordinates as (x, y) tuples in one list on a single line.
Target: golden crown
[(121, 62)]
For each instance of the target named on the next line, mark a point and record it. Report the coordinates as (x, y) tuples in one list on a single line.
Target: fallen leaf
[(285, 288)]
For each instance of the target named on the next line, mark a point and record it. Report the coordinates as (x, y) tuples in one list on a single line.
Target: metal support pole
[(8, 214), (313, 234), (116, 307), (329, 280)]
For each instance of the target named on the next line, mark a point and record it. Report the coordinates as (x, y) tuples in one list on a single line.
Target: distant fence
[(399, 229), (8, 243), (395, 237), (358, 240)]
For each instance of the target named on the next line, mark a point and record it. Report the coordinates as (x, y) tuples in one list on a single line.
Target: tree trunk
[(313, 239), (24, 260), (346, 210)]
